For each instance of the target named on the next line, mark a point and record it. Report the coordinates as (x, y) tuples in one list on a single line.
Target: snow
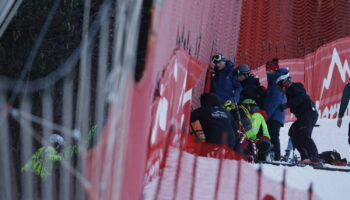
[(328, 185)]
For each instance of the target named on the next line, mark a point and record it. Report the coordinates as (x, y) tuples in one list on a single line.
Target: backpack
[(333, 158)]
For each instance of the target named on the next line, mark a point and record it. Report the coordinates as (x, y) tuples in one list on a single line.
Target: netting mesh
[(58, 76), (201, 27), (94, 85), (289, 29)]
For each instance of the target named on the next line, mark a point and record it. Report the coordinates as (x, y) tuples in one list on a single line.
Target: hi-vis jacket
[(259, 128)]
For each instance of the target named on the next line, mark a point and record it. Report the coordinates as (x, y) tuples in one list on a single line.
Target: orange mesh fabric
[(289, 29)]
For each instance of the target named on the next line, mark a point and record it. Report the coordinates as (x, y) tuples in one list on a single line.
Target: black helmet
[(218, 57), (242, 70), (284, 80)]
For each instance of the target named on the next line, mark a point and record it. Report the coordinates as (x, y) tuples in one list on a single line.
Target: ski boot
[(285, 158)]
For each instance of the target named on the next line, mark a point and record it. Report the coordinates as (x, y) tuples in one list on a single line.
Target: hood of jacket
[(209, 99)]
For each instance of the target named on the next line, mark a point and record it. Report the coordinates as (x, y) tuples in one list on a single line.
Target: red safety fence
[(200, 27), (324, 74), (116, 166), (180, 168), (151, 140), (289, 29)]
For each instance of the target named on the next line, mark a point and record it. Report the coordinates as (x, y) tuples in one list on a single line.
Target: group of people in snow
[(246, 116)]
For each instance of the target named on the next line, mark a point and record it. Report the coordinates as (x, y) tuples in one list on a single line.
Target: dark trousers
[(300, 132), (274, 131), (264, 147)]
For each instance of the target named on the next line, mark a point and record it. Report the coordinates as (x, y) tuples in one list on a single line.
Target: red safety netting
[(289, 29), (201, 27), (157, 157), (180, 168), (324, 74)]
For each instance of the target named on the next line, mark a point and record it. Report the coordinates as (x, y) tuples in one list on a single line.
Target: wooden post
[(259, 172), (283, 185), (310, 191), (238, 179)]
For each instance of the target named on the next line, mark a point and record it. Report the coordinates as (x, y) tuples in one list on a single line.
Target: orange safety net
[(289, 29), (161, 103)]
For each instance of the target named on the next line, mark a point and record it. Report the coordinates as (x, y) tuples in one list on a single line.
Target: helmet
[(56, 141), (242, 70), (249, 102), (284, 80), (218, 57)]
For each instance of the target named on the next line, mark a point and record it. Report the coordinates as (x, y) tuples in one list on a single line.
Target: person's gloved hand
[(339, 122), (283, 107)]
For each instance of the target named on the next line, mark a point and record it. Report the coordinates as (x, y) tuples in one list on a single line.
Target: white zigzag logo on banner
[(343, 71)]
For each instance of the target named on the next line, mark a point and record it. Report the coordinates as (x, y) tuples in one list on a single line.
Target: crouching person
[(217, 123), (258, 136)]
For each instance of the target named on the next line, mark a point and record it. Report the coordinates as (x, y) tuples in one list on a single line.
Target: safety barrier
[(289, 29), (324, 74), (161, 103), (179, 168)]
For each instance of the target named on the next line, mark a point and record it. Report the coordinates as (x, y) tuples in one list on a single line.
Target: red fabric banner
[(324, 74), (177, 166), (171, 109)]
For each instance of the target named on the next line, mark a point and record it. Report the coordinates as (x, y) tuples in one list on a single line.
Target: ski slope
[(328, 185)]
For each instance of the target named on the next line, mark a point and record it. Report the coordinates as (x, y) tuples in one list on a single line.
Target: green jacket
[(43, 161), (344, 100), (259, 127)]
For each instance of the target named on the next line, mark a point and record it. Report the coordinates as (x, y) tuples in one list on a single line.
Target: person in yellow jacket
[(258, 133)]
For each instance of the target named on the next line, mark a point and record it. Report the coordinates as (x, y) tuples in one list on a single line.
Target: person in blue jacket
[(224, 84), (274, 98)]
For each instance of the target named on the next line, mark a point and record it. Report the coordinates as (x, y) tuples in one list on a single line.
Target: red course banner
[(324, 74), (179, 168), (172, 107)]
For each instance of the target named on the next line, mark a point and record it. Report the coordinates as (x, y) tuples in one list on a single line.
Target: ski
[(279, 163), (316, 167), (328, 168)]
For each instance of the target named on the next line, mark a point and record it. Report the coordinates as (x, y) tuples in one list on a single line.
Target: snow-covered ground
[(328, 185)]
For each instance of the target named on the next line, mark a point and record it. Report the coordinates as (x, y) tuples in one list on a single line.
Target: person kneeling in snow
[(217, 123), (258, 135), (301, 105)]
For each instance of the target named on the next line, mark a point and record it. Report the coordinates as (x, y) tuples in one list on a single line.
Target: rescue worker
[(251, 88), (217, 123), (301, 105), (224, 84), (258, 133), (43, 161), (274, 98)]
